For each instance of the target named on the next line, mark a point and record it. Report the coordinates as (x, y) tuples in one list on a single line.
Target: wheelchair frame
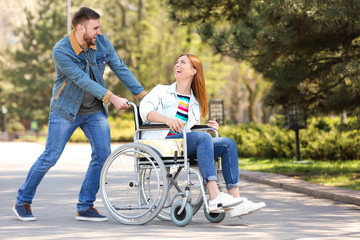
[(135, 200)]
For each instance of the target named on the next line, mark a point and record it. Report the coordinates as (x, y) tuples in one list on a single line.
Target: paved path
[(288, 215)]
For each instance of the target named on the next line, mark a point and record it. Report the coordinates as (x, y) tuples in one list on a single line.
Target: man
[(79, 99)]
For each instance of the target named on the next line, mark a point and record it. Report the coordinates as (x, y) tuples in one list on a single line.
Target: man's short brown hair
[(84, 14)]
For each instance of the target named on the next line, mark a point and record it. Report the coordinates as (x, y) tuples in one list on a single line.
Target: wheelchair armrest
[(166, 127), (199, 127), (154, 126), (162, 126), (204, 128)]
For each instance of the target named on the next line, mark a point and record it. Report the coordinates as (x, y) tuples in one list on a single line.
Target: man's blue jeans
[(96, 129), (205, 148)]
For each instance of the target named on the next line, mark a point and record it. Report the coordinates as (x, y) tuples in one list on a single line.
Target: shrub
[(323, 139), (122, 129)]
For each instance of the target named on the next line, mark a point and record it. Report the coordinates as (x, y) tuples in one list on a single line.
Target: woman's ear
[(194, 71)]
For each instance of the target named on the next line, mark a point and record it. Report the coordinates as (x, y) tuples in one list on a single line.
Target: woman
[(180, 106)]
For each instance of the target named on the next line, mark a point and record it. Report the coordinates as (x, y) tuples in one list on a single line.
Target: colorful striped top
[(182, 112)]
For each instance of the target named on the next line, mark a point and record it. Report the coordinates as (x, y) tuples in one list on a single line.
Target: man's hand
[(119, 103)]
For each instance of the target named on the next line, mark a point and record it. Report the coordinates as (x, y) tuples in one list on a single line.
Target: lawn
[(330, 173)]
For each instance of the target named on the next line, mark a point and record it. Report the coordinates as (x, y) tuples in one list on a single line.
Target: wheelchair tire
[(214, 217), (183, 218), (121, 184)]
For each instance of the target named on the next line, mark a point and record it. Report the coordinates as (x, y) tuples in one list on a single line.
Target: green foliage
[(261, 140), (28, 79), (332, 142), (142, 34), (122, 130), (269, 141), (149, 43), (309, 50)]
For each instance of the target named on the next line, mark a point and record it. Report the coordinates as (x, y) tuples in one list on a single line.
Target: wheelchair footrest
[(218, 208)]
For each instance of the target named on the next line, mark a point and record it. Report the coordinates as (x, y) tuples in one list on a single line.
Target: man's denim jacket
[(72, 74), (163, 99)]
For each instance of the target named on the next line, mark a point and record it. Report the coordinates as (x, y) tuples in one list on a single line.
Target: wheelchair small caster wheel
[(214, 217), (183, 218)]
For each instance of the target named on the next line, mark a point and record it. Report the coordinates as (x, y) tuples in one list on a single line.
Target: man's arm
[(124, 74)]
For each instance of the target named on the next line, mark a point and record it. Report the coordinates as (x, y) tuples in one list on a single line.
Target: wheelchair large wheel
[(176, 184), (122, 181)]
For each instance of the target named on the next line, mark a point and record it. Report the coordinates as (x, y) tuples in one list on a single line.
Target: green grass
[(330, 173)]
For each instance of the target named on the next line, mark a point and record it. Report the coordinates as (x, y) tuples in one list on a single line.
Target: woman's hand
[(213, 124), (174, 124)]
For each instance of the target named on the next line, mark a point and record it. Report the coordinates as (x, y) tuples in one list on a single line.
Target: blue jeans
[(97, 130), (204, 148)]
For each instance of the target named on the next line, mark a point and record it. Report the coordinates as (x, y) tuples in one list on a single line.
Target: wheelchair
[(154, 178)]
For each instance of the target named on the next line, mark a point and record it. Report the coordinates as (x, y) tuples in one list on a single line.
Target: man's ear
[(80, 28)]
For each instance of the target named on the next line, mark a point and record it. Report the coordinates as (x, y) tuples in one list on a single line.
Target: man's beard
[(89, 40)]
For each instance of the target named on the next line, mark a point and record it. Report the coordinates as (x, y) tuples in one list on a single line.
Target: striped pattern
[(182, 112)]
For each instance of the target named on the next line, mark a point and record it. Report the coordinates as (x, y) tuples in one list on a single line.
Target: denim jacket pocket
[(61, 89), (101, 62)]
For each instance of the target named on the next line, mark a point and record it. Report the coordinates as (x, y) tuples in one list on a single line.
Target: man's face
[(92, 30)]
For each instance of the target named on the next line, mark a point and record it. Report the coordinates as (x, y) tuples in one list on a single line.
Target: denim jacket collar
[(75, 45)]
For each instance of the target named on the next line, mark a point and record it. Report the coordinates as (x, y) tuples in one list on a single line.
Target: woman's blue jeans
[(204, 148), (96, 129)]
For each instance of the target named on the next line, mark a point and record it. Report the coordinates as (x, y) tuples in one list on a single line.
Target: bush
[(324, 139), (261, 141), (122, 129)]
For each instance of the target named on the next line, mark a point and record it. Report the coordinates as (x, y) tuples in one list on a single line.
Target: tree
[(29, 78), (149, 43), (309, 50), (143, 36)]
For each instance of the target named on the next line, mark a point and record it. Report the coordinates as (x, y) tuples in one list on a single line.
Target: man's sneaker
[(90, 214), (223, 202), (246, 207), (23, 212)]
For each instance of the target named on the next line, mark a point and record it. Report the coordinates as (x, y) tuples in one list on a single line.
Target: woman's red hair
[(198, 83)]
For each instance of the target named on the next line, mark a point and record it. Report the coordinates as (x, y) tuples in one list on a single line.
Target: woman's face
[(183, 68)]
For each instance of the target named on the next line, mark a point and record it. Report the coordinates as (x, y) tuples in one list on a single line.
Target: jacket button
[(77, 101), (103, 62), (69, 117)]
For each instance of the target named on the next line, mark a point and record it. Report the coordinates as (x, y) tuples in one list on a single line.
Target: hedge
[(323, 139)]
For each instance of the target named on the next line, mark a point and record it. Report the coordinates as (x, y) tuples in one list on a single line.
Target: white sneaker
[(223, 202), (245, 208)]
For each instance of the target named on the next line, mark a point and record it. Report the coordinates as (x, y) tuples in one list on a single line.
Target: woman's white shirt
[(163, 99)]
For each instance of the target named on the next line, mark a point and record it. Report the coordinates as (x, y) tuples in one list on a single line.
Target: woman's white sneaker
[(223, 202), (245, 208)]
